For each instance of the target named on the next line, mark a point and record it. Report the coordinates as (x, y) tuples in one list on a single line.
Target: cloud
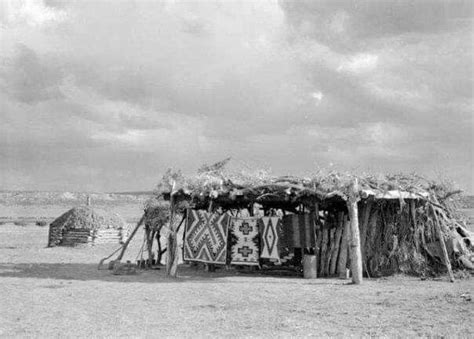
[(359, 63), (127, 89), (30, 12)]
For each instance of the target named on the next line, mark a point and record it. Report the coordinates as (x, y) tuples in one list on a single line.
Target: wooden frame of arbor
[(296, 195), (369, 212)]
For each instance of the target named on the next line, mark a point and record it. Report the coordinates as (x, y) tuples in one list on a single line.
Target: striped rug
[(297, 231)]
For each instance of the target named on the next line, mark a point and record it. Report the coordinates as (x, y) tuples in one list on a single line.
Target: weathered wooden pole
[(342, 263), (315, 228), (125, 245), (159, 252), (442, 243), (150, 236), (354, 244), (337, 242), (172, 257)]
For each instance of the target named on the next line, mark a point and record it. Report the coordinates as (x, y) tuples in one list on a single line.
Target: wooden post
[(149, 244), (330, 250), (324, 247), (319, 235), (354, 244), (447, 262), (172, 246), (342, 263), (416, 239), (337, 241), (315, 227), (125, 245), (159, 251), (364, 226)]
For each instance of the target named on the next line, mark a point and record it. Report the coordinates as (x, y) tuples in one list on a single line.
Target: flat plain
[(59, 292)]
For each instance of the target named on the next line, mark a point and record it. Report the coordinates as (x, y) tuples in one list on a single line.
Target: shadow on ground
[(86, 272)]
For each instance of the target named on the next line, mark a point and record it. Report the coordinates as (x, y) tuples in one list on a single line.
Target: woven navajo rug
[(205, 239), (270, 227), (245, 251), (297, 231)]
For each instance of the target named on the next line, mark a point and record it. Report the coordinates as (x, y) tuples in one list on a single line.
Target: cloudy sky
[(105, 96)]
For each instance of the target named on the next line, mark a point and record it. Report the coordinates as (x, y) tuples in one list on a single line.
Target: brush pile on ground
[(399, 215)]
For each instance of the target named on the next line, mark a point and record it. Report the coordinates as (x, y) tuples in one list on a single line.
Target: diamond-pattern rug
[(206, 237), (270, 227)]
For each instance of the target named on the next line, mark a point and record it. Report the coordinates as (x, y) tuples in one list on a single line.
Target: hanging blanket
[(206, 237), (245, 250), (270, 227), (297, 231)]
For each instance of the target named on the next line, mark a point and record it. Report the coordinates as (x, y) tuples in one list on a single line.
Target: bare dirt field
[(58, 292)]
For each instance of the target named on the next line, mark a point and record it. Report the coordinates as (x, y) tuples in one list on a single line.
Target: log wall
[(78, 236)]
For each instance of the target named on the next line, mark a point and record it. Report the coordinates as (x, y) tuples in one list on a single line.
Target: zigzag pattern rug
[(205, 239), (245, 251), (270, 227)]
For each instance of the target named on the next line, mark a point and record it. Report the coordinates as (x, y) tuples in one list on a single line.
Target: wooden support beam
[(447, 262), (354, 244), (342, 262), (125, 245), (159, 251), (337, 242), (315, 228), (367, 210), (330, 249), (324, 247), (172, 246)]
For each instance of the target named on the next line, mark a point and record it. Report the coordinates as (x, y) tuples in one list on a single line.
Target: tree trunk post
[(342, 263), (337, 242), (172, 257), (315, 228), (159, 252), (354, 244)]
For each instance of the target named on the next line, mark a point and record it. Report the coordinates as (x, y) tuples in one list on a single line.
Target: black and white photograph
[(236, 168)]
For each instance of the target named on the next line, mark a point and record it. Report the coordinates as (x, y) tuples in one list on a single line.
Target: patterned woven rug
[(270, 227), (298, 231), (245, 251), (205, 239)]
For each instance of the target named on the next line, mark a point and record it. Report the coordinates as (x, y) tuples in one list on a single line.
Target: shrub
[(41, 223)]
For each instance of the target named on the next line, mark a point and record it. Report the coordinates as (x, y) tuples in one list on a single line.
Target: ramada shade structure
[(394, 222)]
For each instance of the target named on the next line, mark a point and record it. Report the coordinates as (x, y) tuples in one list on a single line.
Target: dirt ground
[(58, 292)]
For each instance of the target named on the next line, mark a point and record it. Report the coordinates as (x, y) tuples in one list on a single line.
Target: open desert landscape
[(59, 292), (236, 169)]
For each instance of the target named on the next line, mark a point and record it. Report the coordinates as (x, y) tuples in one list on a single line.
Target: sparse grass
[(20, 223)]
